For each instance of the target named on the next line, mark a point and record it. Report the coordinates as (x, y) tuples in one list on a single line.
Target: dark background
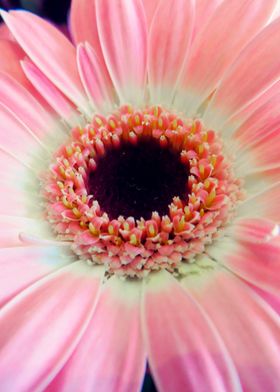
[(57, 12)]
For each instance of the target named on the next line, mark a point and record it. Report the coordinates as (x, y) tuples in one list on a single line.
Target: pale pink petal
[(95, 82), (261, 122), (18, 140), (41, 327), (184, 351), (219, 43), (204, 10), (272, 300), (52, 95), (5, 33), (12, 226), (256, 69), (243, 115), (150, 9), (258, 263), (50, 50), (263, 204), (168, 47), (83, 27), (253, 229), (123, 36), (19, 185), (110, 355), (27, 109), (11, 54), (263, 153), (258, 179), (20, 267), (248, 327)]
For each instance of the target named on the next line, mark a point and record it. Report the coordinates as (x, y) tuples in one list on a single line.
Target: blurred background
[(57, 12)]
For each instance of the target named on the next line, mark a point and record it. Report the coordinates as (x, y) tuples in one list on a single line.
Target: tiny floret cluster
[(126, 245)]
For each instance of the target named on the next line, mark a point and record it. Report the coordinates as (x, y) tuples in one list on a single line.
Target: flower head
[(140, 180)]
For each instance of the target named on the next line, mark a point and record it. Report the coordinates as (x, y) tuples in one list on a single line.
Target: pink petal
[(5, 33), (243, 115), (52, 95), (257, 137), (255, 69), (256, 262), (86, 31), (258, 181), (261, 121), (203, 12), (272, 300), (168, 47), (45, 321), (11, 227), (11, 54), (110, 355), (95, 82), (21, 267), (27, 109), (248, 327), (262, 204), (184, 351), (19, 186), (220, 42), (254, 230), (50, 50), (150, 9), (123, 35), (19, 141)]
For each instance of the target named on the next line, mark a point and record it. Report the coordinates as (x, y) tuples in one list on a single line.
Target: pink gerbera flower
[(139, 198)]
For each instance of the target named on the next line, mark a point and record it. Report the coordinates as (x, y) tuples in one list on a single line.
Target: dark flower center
[(135, 180)]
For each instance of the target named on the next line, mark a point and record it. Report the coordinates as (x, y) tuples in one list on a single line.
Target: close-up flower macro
[(139, 203)]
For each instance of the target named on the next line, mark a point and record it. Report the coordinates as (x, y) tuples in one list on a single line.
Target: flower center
[(140, 191), (136, 180)]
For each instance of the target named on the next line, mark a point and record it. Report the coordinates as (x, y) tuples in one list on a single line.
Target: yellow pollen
[(112, 124), (181, 224), (137, 119), (99, 121), (187, 211), (76, 212), (205, 137), (201, 170), (69, 151), (152, 230), (174, 124), (210, 198), (60, 184), (66, 162), (66, 202), (84, 198), (62, 171), (207, 184), (156, 111), (213, 160), (94, 231), (160, 123), (126, 226), (133, 239), (200, 149), (202, 212), (110, 229)]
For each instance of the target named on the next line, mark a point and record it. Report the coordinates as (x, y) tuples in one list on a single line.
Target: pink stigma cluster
[(134, 247)]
